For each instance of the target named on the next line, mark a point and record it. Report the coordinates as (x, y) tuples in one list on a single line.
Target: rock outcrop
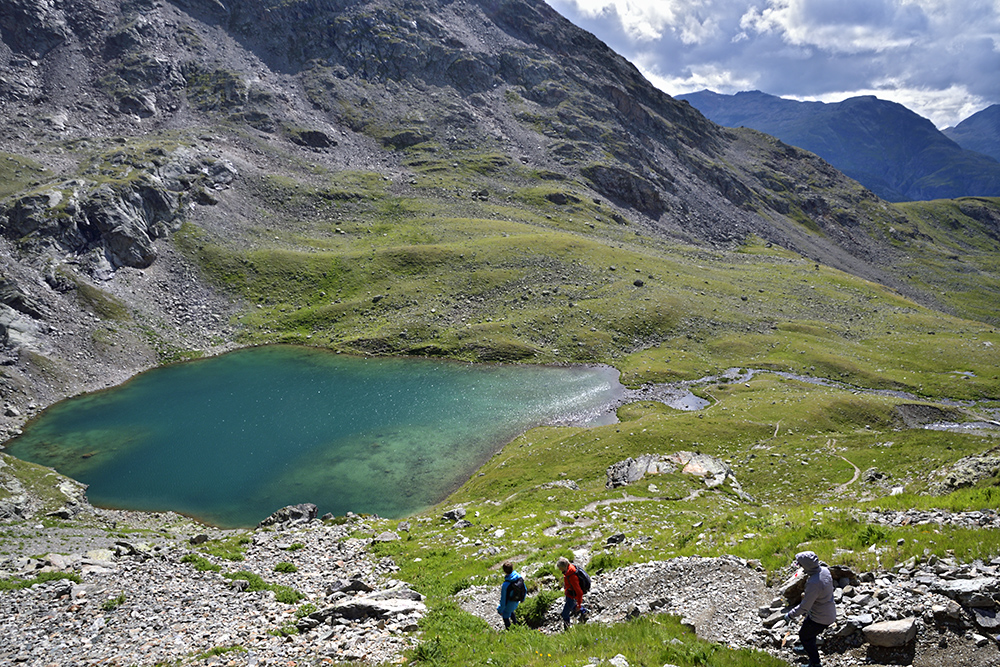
[(120, 219), (291, 516), (713, 471)]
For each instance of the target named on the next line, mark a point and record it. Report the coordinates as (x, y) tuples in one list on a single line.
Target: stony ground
[(719, 598), (139, 604)]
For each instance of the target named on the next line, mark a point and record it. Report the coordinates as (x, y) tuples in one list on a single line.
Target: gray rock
[(891, 633), (562, 483), (861, 620), (366, 607), (773, 619), (348, 586), (621, 185), (454, 514), (618, 661), (986, 619), (290, 516), (712, 470), (975, 592), (965, 472)]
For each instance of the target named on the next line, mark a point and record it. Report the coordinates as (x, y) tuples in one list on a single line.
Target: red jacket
[(571, 583)]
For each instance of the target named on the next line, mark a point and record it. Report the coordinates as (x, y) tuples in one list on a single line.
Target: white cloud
[(690, 21), (702, 77), (847, 26)]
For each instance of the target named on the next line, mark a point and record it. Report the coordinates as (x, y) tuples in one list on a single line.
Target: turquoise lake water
[(231, 439)]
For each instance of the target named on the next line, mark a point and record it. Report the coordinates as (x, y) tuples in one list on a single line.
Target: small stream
[(679, 395)]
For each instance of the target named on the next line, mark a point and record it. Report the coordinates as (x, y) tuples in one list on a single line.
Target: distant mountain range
[(979, 132), (895, 153)]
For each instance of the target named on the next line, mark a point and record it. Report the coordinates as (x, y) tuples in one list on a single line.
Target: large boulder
[(363, 607), (891, 633), (713, 471), (626, 187), (290, 516), (17, 330)]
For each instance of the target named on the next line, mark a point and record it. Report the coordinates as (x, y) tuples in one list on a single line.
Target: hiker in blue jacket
[(817, 604), (508, 606)]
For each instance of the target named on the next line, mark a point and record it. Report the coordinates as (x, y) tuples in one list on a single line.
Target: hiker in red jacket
[(574, 594)]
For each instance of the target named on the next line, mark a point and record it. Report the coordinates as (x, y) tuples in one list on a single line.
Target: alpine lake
[(230, 439)]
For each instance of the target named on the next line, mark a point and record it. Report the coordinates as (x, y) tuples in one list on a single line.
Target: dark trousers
[(807, 635)]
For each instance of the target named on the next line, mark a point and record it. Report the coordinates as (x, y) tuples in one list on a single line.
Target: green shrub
[(870, 534), (820, 532), (283, 594), (200, 563), (231, 548), (603, 562), (285, 567), (286, 594), (532, 611), (429, 652), (305, 610), (460, 586), (113, 603), (17, 583), (220, 650), (287, 629)]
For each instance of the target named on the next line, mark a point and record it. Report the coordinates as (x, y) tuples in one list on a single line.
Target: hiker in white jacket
[(817, 604)]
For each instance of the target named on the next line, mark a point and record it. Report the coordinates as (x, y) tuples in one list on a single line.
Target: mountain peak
[(890, 149)]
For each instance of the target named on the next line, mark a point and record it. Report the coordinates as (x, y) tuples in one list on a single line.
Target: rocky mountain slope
[(124, 120), (883, 145)]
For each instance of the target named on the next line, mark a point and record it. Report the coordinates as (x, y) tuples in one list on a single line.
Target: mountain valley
[(481, 181)]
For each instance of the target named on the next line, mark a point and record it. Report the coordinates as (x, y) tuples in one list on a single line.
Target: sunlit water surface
[(232, 438)]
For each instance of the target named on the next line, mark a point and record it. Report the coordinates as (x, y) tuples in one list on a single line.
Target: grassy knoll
[(500, 281), (952, 243)]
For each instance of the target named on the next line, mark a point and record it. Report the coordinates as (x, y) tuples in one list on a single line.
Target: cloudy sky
[(940, 58)]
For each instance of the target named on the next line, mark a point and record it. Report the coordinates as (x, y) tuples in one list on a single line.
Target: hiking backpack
[(516, 590), (583, 578)]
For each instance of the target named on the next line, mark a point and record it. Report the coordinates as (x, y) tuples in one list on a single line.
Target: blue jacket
[(507, 607)]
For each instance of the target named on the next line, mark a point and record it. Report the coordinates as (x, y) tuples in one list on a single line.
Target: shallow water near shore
[(231, 439)]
